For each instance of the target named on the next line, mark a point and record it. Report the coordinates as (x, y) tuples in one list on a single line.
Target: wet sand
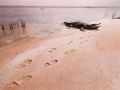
[(68, 60)]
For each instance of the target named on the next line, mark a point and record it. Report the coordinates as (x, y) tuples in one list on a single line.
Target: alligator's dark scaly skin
[(82, 26)]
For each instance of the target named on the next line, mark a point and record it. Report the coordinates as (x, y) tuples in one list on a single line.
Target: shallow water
[(40, 21)]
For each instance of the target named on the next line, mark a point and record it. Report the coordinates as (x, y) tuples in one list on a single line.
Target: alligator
[(82, 26)]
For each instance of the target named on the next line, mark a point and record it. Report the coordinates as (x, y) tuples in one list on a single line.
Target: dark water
[(42, 20)]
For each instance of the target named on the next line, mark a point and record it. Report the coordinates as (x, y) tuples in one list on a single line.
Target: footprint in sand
[(70, 51), (52, 50), (82, 42), (72, 33), (70, 42), (51, 32), (80, 37), (20, 81), (51, 62), (25, 63), (86, 40), (90, 36)]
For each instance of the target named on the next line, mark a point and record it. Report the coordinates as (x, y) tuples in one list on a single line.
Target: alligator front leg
[(82, 29)]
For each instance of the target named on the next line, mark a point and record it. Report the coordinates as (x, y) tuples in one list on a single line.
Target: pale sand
[(70, 60)]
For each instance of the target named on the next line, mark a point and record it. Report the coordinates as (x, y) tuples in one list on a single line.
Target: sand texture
[(67, 60)]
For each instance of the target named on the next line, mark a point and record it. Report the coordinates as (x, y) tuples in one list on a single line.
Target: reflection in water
[(12, 31)]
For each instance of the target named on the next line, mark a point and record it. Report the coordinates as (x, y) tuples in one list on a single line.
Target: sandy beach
[(67, 60)]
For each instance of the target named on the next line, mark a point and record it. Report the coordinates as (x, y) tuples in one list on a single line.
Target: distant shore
[(20, 6)]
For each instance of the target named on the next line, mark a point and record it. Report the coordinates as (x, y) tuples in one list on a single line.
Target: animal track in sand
[(51, 32), (82, 42), (53, 49), (70, 42), (50, 51), (20, 81), (51, 62), (80, 37), (70, 51), (86, 40), (72, 33), (25, 63), (90, 36)]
